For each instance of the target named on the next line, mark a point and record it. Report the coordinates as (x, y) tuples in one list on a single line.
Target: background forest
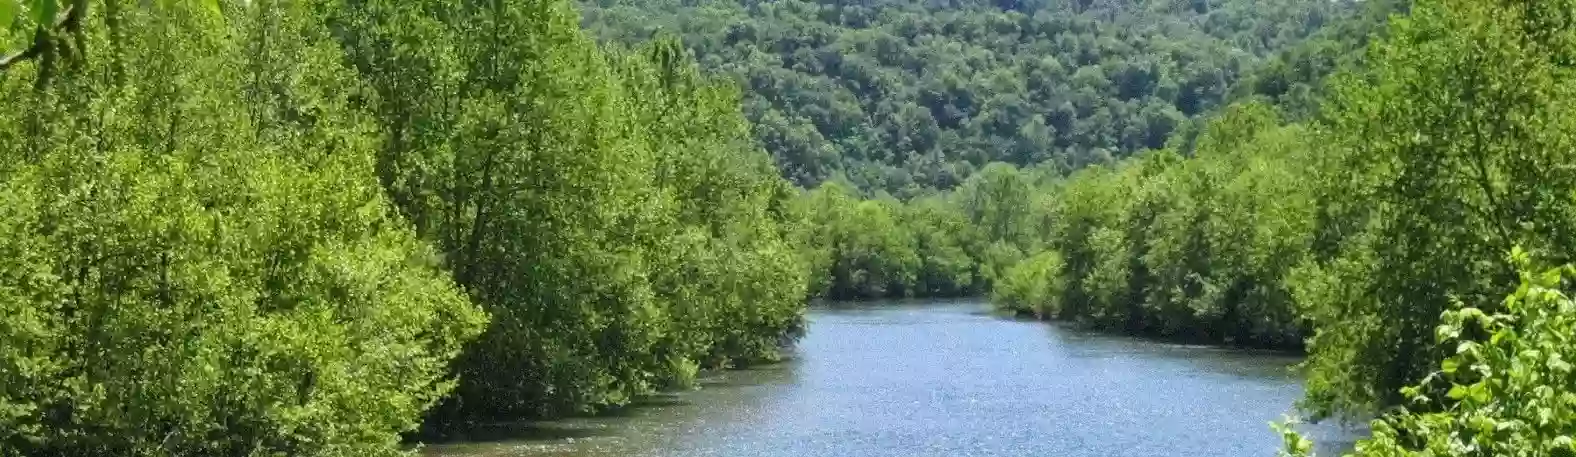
[(902, 95)]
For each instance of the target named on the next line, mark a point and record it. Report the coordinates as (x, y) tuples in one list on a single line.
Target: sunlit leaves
[(1512, 402), (1034, 286), (606, 205), (9, 10), (42, 12), (219, 281), (1441, 158)]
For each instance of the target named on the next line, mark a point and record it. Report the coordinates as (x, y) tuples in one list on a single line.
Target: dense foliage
[(608, 209), (1187, 247), (273, 228), (1427, 163), (1503, 390), (940, 244), (904, 95), (502, 143), (1447, 153), (197, 264)]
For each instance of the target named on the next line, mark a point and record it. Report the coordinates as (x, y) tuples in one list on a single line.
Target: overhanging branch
[(41, 39)]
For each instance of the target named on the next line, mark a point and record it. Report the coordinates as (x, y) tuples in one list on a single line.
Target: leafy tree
[(1445, 151), (732, 286), (199, 264), (577, 194), (1500, 391), (943, 240), (1033, 286)]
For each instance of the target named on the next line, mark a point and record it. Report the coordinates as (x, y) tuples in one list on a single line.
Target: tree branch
[(41, 40)]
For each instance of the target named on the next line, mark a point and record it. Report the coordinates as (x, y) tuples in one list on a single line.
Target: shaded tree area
[(902, 96), (307, 228)]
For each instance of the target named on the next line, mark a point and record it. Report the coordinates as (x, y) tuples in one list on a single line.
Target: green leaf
[(1449, 365), (1483, 424), (1549, 278), (213, 6), (43, 12), (8, 10), (1480, 394), (1457, 392), (1558, 364)]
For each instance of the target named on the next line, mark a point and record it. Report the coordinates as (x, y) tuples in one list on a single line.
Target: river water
[(948, 380)]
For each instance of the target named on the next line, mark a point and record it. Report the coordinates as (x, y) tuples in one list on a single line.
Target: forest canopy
[(901, 95)]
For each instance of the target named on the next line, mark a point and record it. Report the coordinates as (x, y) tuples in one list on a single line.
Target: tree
[(1033, 286), (1501, 391), (1446, 152), (197, 265)]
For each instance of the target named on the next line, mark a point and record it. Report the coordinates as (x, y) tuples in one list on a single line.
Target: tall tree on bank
[(609, 209), (197, 257), (1450, 150), (725, 265)]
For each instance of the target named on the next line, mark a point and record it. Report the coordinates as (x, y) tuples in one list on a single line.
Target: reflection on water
[(947, 379)]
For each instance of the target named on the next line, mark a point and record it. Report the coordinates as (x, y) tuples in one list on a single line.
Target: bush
[(1033, 286), (1504, 391)]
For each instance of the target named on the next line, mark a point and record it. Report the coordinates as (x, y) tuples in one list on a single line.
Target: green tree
[(1500, 391), (1033, 286), (607, 206), (943, 237), (1446, 150), (198, 264), (726, 273), (901, 95)]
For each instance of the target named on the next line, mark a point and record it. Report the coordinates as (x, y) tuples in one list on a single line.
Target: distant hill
[(905, 95)]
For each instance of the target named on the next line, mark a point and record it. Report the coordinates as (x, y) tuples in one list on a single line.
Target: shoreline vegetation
[(317, 227), (321, 227)]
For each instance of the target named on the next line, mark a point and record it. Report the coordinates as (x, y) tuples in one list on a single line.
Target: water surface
[(947, 379)]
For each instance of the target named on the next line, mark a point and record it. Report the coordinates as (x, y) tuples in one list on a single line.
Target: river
[(946, 379)]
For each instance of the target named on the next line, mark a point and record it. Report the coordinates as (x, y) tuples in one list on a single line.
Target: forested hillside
[(902, 95)]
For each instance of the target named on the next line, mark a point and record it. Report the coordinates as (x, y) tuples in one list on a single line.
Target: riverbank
[(1200, 338), (1195, 338), (945, 378)]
